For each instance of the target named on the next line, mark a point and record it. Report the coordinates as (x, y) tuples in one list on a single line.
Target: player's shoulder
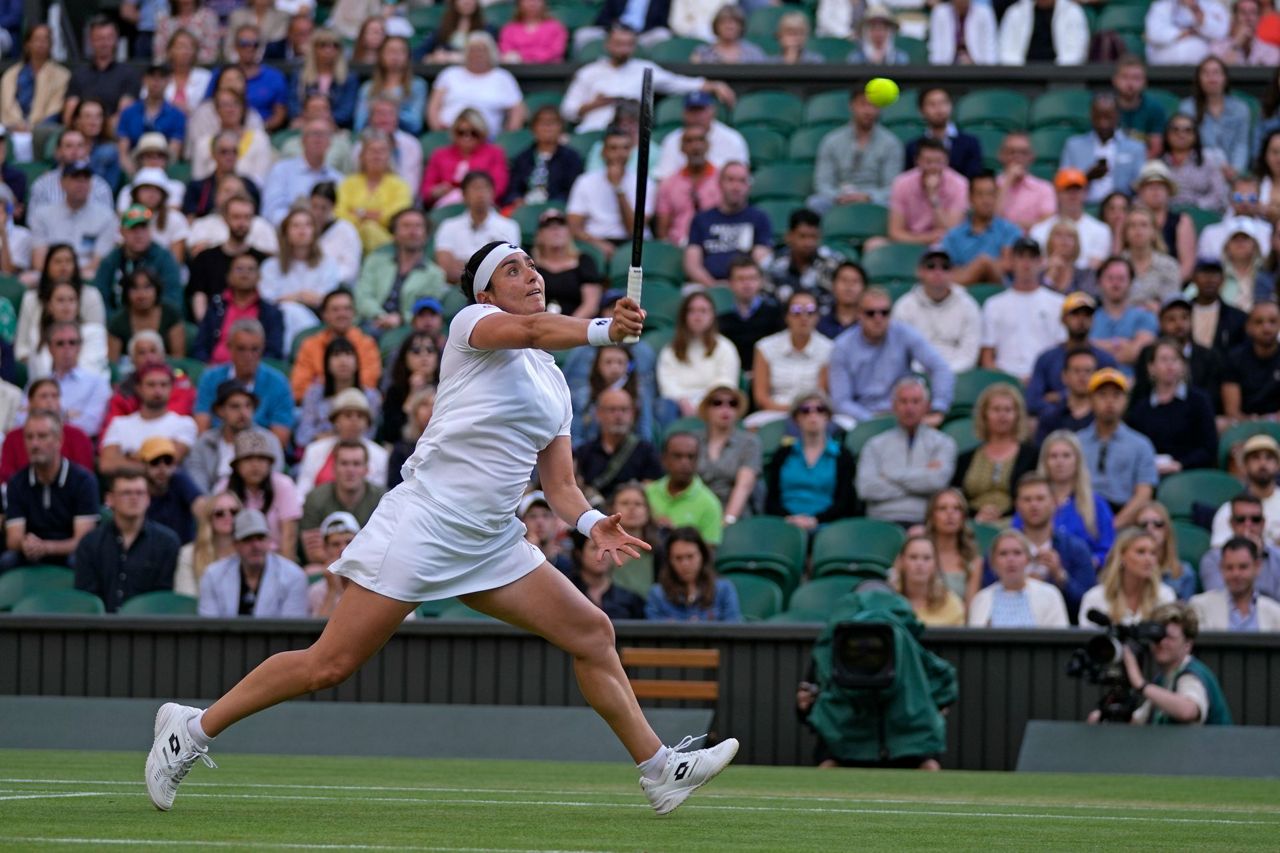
[(464, 322)]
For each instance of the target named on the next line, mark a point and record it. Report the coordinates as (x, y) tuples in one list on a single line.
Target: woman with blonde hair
[(373, 195), (215, 521), (917, 577), (298, 278), (1062, 252), (1156, 274), (1016, 600), (324, 72), (1175, 572), (988, 473), (1080, 512), (1129, 586), (959, 558)]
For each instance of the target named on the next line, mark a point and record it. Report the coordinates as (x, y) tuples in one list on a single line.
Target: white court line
[(52, 796), (151, 842)]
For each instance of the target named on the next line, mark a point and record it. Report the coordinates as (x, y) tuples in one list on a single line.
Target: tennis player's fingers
[(640, 543), (630, 552)]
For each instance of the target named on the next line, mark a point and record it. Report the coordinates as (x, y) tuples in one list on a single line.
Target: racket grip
[(635, 282)]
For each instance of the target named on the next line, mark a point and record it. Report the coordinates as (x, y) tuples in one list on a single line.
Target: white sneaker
[(686, 772), (172, 755)]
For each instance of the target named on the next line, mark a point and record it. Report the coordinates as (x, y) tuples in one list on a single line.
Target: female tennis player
[(450, 530)]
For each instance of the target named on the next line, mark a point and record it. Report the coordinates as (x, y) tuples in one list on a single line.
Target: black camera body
[(1101, 661)]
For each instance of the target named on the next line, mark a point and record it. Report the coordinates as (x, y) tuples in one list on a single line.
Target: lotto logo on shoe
[(174, 744), (682, 771)]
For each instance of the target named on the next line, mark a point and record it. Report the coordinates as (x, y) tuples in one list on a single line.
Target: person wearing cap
[(151, 114), (1245, 214), (1177, 417), (1023, 320), (722, 144), (856, 162), (1123, 461), (1044, 31), (246, 342), (929, 200), (397, 275), (337, 314), (1120, 327), (350, 491), (336, 532), (1244, 281), (256, 581), (102, 78), (428, 318), (123, 439), (1204, 366), (1251, 381), (459, 237), (1245, 516), (210, 458), (1095, 236), (259, 486), (175, 498), (1046, 387), (1111, 160), (573, 281), (875, 43), (544, 530), (129, 554), (138, 250), (352, 419), (47, 189), (545, 171), (943, 311), (979, 245), (687, 191), (78, 219), (1215, 324)]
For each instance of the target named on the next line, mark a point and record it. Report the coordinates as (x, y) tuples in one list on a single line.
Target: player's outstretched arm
[(552, 331), (560, 485)]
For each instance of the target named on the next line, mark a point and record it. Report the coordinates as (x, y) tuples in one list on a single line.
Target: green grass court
[(96, 801)]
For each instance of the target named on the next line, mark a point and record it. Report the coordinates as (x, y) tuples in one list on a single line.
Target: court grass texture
[(65, 800)]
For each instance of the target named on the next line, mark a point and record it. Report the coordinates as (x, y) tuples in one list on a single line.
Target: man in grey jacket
[(253, 581), (900, 469), (210, 459)]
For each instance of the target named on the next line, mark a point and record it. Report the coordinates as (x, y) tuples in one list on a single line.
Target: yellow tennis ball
[(882, 91)]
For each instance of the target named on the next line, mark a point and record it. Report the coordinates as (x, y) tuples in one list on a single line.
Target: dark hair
[(123, 476), (1197, 148), (543, 112), (400, 366), (680, 340), (670, 437), (1029, 479), (451, 18), (1260, 164), (741, 262), (476, 175), (1197, 94), (706, 582), (142, 276), (472, 267), (983, 175), (597, 382), (1168, 343), (1127, 60), (105, 134), (333, 294), (26, 39), (44, 291), (799, 294), (1077, 353), (926, 92), (1241, 543), (37, 384), (326, 190), (1246, 498), (237, 486), (349, 444), (1116, 259), (619, 27), (851, 265), (614, 131), (411, 210), (929, 144), (339, 346), (803, 216), (99, 21)]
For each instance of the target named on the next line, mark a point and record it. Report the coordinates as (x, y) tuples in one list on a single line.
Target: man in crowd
[(234, 406), (1024, 320), (687, 191), (174, 496), (274, 404), (858, 162), (1215, 325), (602, 202), (89, 227), (266, 89), (151, 114), (900, 469), (349, 491), (210, 267), (1142, 117), (1045, 388), (102, 78), (617, 455), (1110, 160), (981, 243), (406, 149), (1237, 606), (129, 554), (240, 301), (544, 530), (44, 395), (1120, 328), (871, 358), (338, 313), (1095, 236), (1260, 460), (723, 143), (1251, 381), (459, 237), (803, 263), (50, 504), (680, 498), (123, 439), (964, 152), (1057, 557), (85, 394), (394, 277), (1024, 198), (1245, 215), (943, 312), (292, 179), (733, 228), (1204, 366), (1122, 460), (138, 250), (929, 200), (47, 189), (253, 581), (1074, 410), (1246, 519), (754, 315)]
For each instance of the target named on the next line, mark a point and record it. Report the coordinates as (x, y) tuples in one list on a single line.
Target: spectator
[(1109, 160), (616, 455), (1176, 417), (1242, 265), (84, 388), (337, 312), (1238, 606), (593, 576), (1129, 586), (127, 555), (1242, 45), (614, 367), (188, 81), (60, 304), (802, 263), (848, 283), (415, 368), (418, 410), (43, 86), (734, 227), (533, 35), (210, 268), (1181, 32), (680, 498), (395, 277), (246, 342), (1073, 412), (728, 47), (900, 469), (477, 84), (875, 45), (753, 314), (1203, 366), (989, 474), (406, 149), (1121, 459), (461, 236), (216, 161), (1061, 271), (964, 152), (1116, 206), (43, 395), (1215, 324), (698, 356), (870, 360), (324, 72), (980, 243), (601, 209), (146, 348), (792, 36), (174, 498), (370, 36), (257, 580), (688, 589), (858, 163), (210, 458), (1245, 214), (650, 21), (1224, 120), (683, 194), (197, 21), (1260, 461), (1156, 273), (339, 239), (298, 279), (269, 22), (58, 267), (946, 524), (1057, 557), (942, 312), (138, 252), (1120, 327), (208, 231), (1019, 322), (1016, 600), (352, 419), (51, 504), (545, 171), (840, 18), (1195, 170), (261, 488), (341, 371), (265, 88), (1246, 517), (370, 197), (213, 542), (1174, 571), (470, 151), (77, 219), (630, 502), (810, 481), (729, 461), (1052, 31), (152, 189), (929, 200), (102, 77), (597, 86), (544, 530), (151, 114), (1080, 512), (47, 190), (349, 491), (1142, 117), (240, 301), (571, 279), (122, 442), (1250, 383), (1024, 198), (90, 119), (788, 363), (1095, 237), (1048, 378), (917, 576), (291, 180), (962, 32)]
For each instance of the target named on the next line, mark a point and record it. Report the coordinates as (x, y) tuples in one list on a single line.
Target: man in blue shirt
[(1121, 460), (266, 89), (1057, 557), (246, 342), (734, 228), (1121, 329), (293, 179), (1046, 387), (981, 246), (152, 114)]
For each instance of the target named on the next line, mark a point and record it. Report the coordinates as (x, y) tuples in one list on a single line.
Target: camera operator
[(1195, 697)]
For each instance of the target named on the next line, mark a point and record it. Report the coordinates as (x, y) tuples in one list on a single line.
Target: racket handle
[(635, 282)]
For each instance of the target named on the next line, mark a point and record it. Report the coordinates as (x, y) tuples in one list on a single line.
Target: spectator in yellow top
[(369, 198)]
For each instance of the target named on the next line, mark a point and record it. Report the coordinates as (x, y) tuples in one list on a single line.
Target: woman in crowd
[(478, 84), (917, 577), (1269, 273), (369, 198), (215, 524), (729, 26), (987, 474), (1016, 600), (60, 267), (698, 356), (34, 89), (1112, 211), (417, 411), (1223, 120), (61, 304), (1196, 169), (270, 492), (630, 501), (876, 46), (150, 188), (1062, 251), (324, 72), (142, 310), (90, 118), (613, 368), (469, 150), (206, 120), (946, 524), (461, 19), (1080, 512), (297, 279), (188, 81), (688, 589), (373, 32), (810, 482), (572, 279), (254, 155), (1242, 272), (198, 22), (272, 25), (1175, 572), (729, 459), (545, 171), (341, 371), (393, 75), (1267, 168), (339, 239), (847, 284), (1177, 417), (415, 368), (1156, 273), (1129, 585), (792, 34), (593, 575), (788, 363), (532, 35)]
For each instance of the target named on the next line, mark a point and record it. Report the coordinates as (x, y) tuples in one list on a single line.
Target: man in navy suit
[(1110, 160), (964, 151)]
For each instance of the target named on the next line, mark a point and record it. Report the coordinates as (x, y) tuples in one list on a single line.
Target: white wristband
[(598, 332), (588, 520)]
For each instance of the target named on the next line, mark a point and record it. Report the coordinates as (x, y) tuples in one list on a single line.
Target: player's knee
[(595, 635), (331, 669)]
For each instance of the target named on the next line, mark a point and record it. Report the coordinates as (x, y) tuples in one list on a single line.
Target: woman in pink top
[(470, 151), (532, 35), (258, 487)]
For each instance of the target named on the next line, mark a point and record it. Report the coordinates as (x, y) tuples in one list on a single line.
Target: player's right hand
[(628, 319)]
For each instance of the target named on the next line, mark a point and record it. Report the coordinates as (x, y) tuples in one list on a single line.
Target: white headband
[(490, 263)]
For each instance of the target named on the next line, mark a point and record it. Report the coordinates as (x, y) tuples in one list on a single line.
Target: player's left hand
[(628, 319), (610, 539)]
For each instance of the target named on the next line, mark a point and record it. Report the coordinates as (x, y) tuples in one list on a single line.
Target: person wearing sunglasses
[(266, 89), (215, 518), (1246, 519), (943, 311), (1175, 572), (810, 482), (788, 363), (1244, 214)]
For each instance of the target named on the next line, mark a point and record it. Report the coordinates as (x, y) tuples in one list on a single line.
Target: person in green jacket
[(397, 275), (138, 250)]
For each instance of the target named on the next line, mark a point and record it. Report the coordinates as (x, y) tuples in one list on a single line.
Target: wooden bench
[(674, 688)]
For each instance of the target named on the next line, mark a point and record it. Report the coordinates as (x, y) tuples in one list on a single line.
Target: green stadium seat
[(389, 343), (906, 131), (32, 170), (828, 107), (515, 141), (818, 597), (453, 302), (440, 214), (688, 423), (721, 298), (431, 140), (17, 584), (673, 50), (499, 14), (763, 544), (656, 337), (982, 292), (1193, 543), (1237, 435), (804, 143), (782, 111), (855, 222), (1201, 218), (426, 17), (458, 610), (915, 48), (763, 22), (1062, 108), (159, 603), (12, 290), (1047, 143), (897, 289), (961, 431), (575, 16), (526, 216), (280, 137), (299, 338), (535, 101), (864, 431), (758, 596), (1122, 18), (779, 213), (635, 575), (782, 181), (662, 301), (1166, 99), (61, 601), (194, 368), (765, 144), (589, 52), (971, 383), (905, 110), (833, 50), (845, 545), (1178, 492), (669, 112), (990, 138), (996, 107), (180, 171), (662, 261), (985, 534), (895, 262), (432, 609), (582, 142), (795, 616)]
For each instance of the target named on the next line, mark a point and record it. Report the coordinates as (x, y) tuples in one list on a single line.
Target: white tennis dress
[(450, 528)]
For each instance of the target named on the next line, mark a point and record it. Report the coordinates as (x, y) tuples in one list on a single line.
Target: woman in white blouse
[(479, 84), (63, 306), (1129, 586), (789, 363), (1016, 600), (298, 278), (698, 357), (60, 267), (975, 26)]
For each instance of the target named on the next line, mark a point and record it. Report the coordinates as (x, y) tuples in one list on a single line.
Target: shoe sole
[(688, 791), (155, 733)]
